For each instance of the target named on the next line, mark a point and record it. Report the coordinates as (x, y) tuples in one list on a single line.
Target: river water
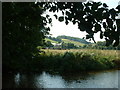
[(103, 79)]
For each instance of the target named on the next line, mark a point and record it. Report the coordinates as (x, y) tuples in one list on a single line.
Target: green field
[(52, 41), (66, 41), (74, 42), (77, 60), (112, 54), (69, 61)]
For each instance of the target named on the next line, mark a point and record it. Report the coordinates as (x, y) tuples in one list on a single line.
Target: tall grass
[(79, 60), (113, 54), (64, 61)]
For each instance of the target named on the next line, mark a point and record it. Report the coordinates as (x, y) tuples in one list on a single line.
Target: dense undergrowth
[(65, 62), (75, 62)]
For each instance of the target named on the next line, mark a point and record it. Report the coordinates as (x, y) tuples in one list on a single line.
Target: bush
[(65, 62)]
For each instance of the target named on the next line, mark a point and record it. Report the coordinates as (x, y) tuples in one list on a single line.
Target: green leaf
[(106, 15), (105, 5), (81, 27), (109, 22), (87, 9), (66, 22), (97, 27), (101, 35), (61, 18), (106, 34), (113, 13), (74, 22), (95, 5), (47, 16), (50, 20), (89, 36), (55, 16), (62, 13), (48, 29), (88, 4), (104, 25)]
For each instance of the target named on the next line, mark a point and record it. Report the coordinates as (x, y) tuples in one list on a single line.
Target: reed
[(79, 60), (69, 61)]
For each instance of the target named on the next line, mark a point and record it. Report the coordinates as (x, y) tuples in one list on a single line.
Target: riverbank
[(79, 60), (69, 61)]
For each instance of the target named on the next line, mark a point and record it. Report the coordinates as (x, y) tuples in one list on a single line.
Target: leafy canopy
[(23, 30), (91, 17)]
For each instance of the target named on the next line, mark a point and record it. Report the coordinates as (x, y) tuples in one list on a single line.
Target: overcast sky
[(59, 28)]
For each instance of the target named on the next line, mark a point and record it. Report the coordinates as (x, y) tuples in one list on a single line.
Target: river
[(103, 79)]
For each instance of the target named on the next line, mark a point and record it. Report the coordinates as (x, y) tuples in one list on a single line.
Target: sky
[(60, 28)]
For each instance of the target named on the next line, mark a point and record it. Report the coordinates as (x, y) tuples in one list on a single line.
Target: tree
[(90, 17), (23, 30), (64, 45), (24, 27), (49, 44), (71, 45)]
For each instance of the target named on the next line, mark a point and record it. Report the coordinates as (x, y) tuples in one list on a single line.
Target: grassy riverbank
[(65, 61), (79, 60)]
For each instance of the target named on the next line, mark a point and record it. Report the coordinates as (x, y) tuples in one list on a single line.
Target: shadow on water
[(104, 79), (26, 80)]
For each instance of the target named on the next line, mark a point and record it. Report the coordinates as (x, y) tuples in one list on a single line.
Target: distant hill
[(77, 43), (74, 39), (74, 42), (67, 39), (52, 41)]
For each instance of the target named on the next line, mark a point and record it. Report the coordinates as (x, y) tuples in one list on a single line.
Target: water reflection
[(17, 79), (106, 79), (50, 81)]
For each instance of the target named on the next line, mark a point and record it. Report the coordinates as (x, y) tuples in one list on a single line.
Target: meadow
[(77, 60), (68, 61), (112, 54)]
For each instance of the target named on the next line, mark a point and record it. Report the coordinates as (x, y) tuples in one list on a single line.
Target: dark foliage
[(90, 17), (55, 39), (23, 30)]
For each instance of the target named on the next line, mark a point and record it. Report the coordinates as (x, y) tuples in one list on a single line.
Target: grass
[(74, 42), (65, 61), (66, 41), (113, 54), (52, 41), (69, 61)]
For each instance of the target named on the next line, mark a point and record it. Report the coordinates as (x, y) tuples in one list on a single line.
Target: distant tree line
[(68, 46), (55, 39), (99, 45), (63, 45)]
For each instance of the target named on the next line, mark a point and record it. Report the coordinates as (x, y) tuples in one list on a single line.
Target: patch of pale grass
[(113, 54)]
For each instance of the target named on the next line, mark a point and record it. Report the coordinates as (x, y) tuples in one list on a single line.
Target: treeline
[(55, 39), (62, 45), (100, 45), (68, 46)]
